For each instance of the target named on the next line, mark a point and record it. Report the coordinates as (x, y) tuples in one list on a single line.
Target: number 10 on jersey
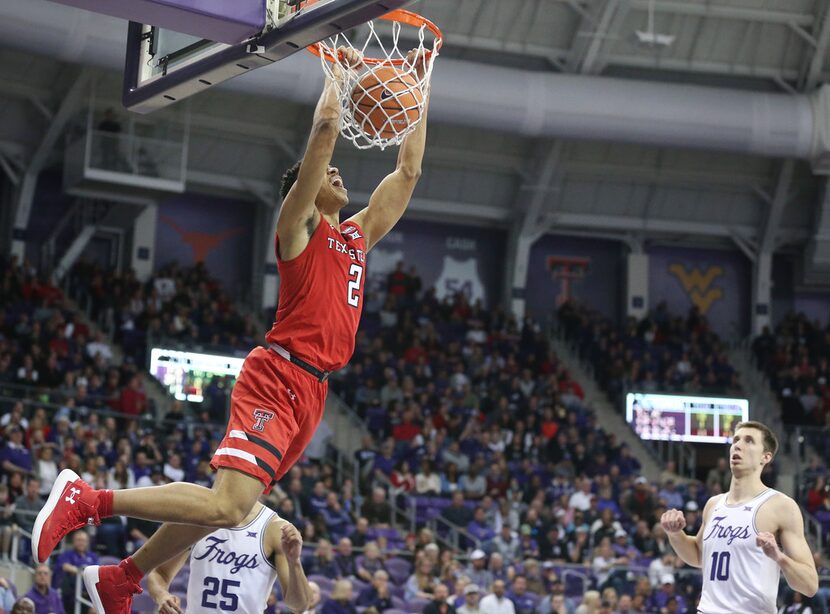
[(720, 566)]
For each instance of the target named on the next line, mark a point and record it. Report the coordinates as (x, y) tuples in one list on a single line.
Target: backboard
[(163, 66)]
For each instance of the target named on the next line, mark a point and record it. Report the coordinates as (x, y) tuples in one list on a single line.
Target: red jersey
[(321, 296)]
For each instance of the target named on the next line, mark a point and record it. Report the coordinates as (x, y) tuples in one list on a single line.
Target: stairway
[(610, 419), (348, 429), (152, 388)]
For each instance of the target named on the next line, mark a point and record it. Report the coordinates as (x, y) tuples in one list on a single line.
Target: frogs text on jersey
[(215, 554)]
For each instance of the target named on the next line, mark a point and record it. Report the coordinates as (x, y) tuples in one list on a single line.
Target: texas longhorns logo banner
[(201, 243), (698, 285)]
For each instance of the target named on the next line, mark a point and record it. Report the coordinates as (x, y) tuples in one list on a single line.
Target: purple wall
[(787, 298), (601, 287), (218, 231), (716, 281), (447, 256), (48, 208), (815, 305)]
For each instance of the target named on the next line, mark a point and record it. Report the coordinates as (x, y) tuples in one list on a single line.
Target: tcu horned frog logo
[(261, 416)]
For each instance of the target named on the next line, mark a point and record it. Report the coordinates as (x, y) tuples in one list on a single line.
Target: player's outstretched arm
[(390, 199), (796, 560), (298, 216), (287, 546), (158, 584)]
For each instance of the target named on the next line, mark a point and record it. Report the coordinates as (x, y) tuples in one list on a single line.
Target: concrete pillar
[(761, 292), (143, 256), (636, 285), (518, 262), (271, 278)]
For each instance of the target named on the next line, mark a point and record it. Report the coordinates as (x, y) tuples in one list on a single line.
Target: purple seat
[(358, 585), (390, 533), (575, 585), (395, 611), (325, 584), (398, 602), (399, 569), (416, 606)]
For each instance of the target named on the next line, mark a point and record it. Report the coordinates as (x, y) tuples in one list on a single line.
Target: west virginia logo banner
[(698, 285)]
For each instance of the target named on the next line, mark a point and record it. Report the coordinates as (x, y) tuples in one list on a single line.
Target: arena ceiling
[(628, 191)]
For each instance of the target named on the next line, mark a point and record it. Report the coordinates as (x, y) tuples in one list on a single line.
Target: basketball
[(386, 101)]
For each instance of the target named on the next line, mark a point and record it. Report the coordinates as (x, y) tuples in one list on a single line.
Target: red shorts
[(275, 409)]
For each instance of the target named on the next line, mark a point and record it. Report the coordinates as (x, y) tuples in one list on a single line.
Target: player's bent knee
[(228, 514)]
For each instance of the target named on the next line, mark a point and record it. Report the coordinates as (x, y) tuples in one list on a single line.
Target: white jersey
[(737, 575), (229, 571)]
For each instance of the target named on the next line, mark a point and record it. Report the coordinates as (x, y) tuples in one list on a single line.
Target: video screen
[(187, 374), (694, 419)]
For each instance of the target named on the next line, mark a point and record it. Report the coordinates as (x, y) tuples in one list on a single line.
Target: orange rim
[(400, 15)]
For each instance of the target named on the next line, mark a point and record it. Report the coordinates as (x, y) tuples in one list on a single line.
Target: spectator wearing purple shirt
[(14, 456), (524, 601), (337, 520), (46, 599), (70, 563), (479, 528), (659, 598)]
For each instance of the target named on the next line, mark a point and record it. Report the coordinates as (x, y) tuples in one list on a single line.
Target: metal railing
[(15, 543), (35, 396), (80, 600), (135, 155), (808, 442)]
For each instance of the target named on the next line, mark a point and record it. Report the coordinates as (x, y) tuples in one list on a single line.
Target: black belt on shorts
[(321, 376)]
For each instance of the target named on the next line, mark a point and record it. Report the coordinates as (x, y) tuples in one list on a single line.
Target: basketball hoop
[(372, 120)]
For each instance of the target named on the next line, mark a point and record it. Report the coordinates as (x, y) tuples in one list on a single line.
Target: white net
[(382, 100)]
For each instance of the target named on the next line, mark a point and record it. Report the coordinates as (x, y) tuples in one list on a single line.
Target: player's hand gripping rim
[(348, 59)]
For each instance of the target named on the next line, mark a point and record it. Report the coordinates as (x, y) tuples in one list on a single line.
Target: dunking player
[(737, 543), (278, 400), (233, 570)]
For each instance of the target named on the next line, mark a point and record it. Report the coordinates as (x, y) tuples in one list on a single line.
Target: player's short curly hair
[(289, 178)]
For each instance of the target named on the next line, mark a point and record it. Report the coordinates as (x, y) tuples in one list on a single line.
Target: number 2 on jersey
[(356, 272), (720, 566)]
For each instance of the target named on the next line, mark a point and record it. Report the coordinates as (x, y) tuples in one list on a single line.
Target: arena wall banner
[(717, 282), (217, 231), (451, 257), (590, 271)]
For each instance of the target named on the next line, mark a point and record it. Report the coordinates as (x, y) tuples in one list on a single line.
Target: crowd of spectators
[(184, 305), (796, 359), (476, 427), (661, 352)]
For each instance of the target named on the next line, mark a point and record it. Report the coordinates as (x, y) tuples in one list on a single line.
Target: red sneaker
[(110, 588), (72, 504)]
